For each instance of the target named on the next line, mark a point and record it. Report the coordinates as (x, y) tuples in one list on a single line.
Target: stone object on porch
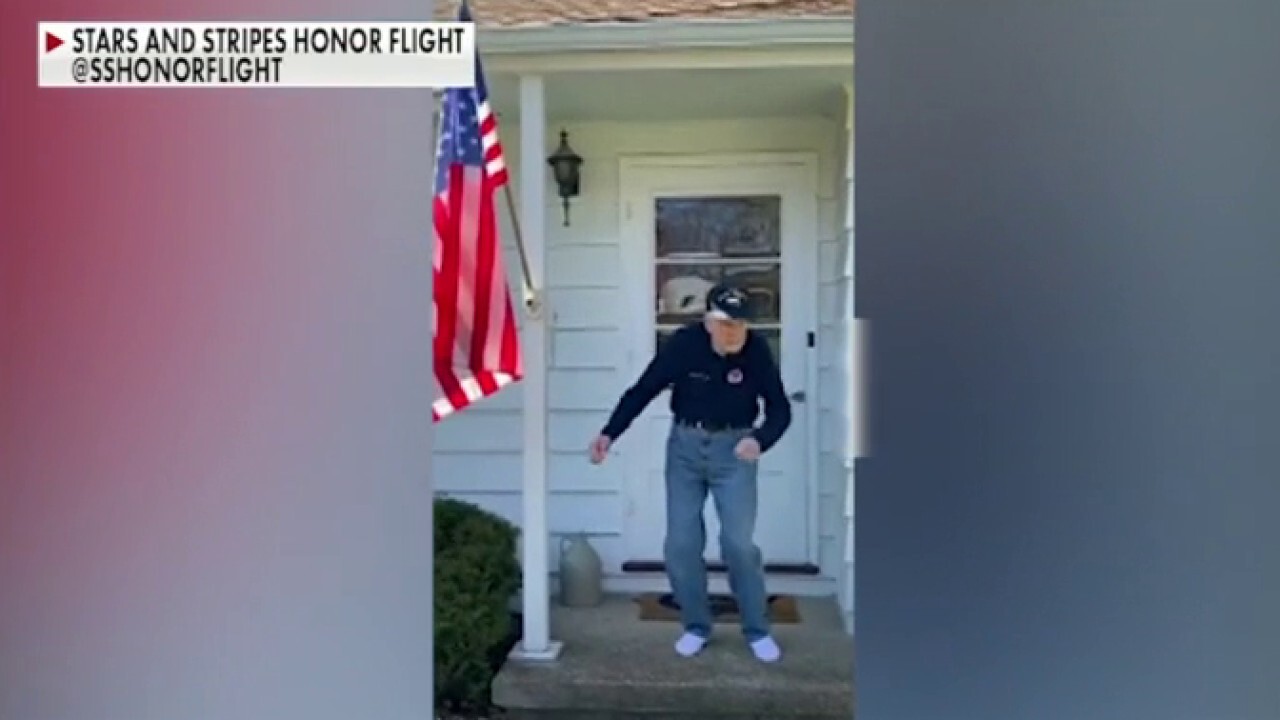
[(618, 667), (581, 572)]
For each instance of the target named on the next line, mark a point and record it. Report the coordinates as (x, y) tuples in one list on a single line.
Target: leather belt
[(707, 426)]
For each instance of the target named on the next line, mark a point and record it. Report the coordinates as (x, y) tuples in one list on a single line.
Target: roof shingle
[(515, 13)]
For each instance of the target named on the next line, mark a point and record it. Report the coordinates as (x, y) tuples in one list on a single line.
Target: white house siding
[(845, 424), (477, 452)]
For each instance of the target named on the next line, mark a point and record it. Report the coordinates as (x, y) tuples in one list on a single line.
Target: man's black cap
[(729, 302)]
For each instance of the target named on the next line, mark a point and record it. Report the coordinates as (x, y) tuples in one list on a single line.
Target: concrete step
[(616, 667)]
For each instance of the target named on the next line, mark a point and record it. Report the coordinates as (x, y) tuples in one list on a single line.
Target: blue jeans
[(699, 462)]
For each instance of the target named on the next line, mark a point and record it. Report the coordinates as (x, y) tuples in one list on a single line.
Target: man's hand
[(748, 449), (600, 449)]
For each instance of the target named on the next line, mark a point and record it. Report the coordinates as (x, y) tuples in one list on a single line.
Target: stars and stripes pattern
[(476, 346)]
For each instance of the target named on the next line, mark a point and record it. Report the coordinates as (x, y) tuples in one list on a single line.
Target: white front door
[(688, 223)]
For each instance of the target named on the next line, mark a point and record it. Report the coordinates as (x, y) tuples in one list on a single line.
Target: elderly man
[(718, 371)]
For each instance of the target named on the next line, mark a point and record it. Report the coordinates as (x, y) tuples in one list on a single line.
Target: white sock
[(690, 644), (766, 650)]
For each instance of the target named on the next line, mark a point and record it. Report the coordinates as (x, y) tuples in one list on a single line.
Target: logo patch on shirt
[(734, 377)]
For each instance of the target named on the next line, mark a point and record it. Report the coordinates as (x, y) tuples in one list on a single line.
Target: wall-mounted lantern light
[(565, 165)]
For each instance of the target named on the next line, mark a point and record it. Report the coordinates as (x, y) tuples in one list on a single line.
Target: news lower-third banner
[(257, 55)]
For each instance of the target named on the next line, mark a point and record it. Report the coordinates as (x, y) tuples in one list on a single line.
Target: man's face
[(728, 335)]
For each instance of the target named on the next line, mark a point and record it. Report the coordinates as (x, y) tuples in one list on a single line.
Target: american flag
[(477, 348)]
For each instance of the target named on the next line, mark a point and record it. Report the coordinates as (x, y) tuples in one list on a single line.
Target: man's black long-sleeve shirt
[(706, 387)]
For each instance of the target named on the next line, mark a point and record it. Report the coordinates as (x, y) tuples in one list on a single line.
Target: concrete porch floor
[(616, 667)]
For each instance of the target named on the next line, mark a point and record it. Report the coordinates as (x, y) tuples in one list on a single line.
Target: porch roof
[(526, 13)]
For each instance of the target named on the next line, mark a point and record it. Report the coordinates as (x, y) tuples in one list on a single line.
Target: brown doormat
[(724, 609)]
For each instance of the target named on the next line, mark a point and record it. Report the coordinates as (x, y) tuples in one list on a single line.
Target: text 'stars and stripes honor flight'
[(476, 347)]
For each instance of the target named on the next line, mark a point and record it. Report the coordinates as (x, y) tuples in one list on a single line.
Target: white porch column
[(536, 643)]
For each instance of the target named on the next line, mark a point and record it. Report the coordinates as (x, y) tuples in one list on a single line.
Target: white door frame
[(793, 175)]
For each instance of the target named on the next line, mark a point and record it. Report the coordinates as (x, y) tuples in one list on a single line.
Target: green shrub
[(476, 574)]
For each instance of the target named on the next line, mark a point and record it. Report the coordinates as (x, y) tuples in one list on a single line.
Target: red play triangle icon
[(52, 42)]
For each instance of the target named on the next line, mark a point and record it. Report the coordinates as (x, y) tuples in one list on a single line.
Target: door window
[(702, 241)]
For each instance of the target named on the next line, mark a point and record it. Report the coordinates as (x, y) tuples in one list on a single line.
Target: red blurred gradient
[(214, 390)]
